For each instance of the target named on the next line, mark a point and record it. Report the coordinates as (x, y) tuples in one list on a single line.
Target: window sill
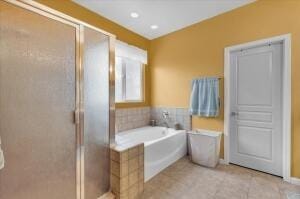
[(131, 104)]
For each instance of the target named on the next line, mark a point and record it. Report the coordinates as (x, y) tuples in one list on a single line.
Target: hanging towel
[(1, 157), (205, 97)]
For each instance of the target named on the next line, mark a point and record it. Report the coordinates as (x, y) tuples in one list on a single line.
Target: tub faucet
[(165, 123), (165, 115)]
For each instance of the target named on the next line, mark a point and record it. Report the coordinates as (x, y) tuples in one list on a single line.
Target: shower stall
[(56, 104)]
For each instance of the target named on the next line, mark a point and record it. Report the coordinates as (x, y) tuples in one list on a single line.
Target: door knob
[(234, 113)]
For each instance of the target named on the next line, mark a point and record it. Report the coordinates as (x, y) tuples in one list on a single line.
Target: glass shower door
[(96, 113), (37, 100)]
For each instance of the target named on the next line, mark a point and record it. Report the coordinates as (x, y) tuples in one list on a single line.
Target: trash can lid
[(206, 132)]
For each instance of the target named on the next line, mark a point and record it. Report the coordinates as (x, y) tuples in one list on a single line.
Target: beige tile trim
[(127, 172)]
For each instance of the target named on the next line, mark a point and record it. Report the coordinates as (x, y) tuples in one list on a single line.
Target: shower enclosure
[(56, 104)]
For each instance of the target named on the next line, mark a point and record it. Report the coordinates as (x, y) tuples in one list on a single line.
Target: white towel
[(1, 157)]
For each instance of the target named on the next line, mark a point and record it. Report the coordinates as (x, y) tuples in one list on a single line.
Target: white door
[(256, 108)]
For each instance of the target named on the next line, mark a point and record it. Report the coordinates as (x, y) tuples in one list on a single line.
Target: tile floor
[(185, 180)]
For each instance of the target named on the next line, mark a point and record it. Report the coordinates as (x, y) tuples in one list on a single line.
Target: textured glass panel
[(37, 98), (133, 80), (118, 80), (96, 115)]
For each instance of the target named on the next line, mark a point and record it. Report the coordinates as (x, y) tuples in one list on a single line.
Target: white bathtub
[(163, 146)]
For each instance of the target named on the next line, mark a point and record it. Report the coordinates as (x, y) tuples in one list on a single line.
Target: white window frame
[(142, 88)]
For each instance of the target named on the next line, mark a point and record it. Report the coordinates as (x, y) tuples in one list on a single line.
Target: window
[(129, 73), (129, 80)]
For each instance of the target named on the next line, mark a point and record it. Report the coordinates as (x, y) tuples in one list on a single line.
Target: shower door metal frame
[(79, 76)]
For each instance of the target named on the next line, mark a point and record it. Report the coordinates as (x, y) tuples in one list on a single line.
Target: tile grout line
[(218, 188), (250, 182), (222, 174)]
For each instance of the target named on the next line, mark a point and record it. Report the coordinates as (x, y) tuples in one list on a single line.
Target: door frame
[(286, 92)]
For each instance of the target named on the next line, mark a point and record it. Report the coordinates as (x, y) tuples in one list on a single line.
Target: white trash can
[(204, 147)]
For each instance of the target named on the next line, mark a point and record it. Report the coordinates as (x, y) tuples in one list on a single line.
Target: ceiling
[(167, 15)]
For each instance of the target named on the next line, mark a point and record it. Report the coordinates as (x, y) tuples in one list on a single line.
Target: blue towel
[(205, 97)]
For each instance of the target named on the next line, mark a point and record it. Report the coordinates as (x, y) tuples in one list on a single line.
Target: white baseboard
[(295, 181), (221, 161)]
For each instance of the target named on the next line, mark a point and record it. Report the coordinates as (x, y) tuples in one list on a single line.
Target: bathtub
[(163, 146)]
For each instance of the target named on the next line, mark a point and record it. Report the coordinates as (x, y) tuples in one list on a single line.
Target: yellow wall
[(74, 10), (198, 50), (195, 51)]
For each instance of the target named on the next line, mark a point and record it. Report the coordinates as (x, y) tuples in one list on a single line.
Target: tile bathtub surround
[(130, 118), (176, 115), (127, 172)]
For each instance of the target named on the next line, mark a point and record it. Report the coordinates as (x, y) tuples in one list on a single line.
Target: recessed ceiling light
[(154, 27), (134, 15)]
